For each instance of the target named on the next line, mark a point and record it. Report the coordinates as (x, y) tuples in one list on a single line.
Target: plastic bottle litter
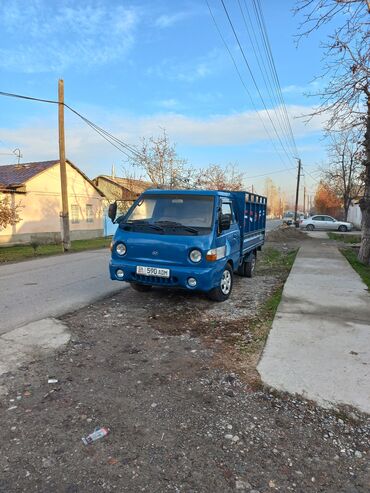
[(53, 380), (95, 435)]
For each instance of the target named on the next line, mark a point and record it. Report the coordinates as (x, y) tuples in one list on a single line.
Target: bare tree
[(344, 175), (158, 158), (215, 177), (9, 213), (346, 97)]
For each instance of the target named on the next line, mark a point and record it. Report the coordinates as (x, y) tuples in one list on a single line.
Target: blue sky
[(135, 67)]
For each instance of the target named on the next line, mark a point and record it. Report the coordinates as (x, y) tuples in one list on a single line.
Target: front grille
[(158, 281)]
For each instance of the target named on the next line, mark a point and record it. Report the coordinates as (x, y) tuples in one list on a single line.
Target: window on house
[(89, 213), (75, 214)]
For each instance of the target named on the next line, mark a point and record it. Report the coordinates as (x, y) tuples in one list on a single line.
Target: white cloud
[(297, 89), (189, 71), (168, 103), (167, 20), (39, 141), (63, 34), (223, 130)]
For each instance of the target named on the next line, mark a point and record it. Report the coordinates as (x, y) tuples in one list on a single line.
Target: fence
[(355, 215)]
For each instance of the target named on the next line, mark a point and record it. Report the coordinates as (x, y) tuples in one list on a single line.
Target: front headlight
[(195, 256), (121, 249)]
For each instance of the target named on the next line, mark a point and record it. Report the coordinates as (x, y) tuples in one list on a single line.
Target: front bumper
[(206, 277)]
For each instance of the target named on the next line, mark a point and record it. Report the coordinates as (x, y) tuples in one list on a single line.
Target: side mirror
[(224, 221), (112, 211)]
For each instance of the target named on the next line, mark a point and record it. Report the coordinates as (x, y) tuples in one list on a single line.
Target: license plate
[(152, 271)]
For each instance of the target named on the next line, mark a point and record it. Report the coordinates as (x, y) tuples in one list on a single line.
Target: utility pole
[(280, 213), (63, 170), (304, 200), (297, 194)]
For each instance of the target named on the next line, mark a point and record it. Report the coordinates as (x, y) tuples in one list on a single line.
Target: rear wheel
[(142, 288), (246, 269), (223, 290), (310, 227), (250, 266), (342, 228)]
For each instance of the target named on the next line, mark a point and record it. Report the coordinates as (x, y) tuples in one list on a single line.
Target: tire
[(141, 288), (343, 229), (246, 269), (310, 227), (223, 290), (250, 266)]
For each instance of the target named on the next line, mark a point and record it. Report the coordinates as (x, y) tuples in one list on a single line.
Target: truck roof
[(160, 191)]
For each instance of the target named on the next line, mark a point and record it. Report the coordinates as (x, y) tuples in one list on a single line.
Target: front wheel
[(223, 290), (142, 288), (342, 228)]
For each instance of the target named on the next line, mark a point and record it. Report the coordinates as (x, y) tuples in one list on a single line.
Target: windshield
[(194, 212)]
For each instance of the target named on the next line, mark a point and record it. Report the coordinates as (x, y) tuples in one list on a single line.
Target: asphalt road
[(272, 224), (51, 286)]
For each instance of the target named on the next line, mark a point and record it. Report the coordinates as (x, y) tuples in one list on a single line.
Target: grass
[(345, 238), (361, 269), (276, 262), (23, 252)]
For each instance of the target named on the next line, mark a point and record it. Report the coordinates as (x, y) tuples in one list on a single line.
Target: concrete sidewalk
[(319, 344)]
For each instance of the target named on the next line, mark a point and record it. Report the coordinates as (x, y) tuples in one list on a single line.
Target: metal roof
[(15, 175)]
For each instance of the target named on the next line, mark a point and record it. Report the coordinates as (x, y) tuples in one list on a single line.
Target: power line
[(114, 141), (265, 37), (108, 136), (253, 78), (271, 173), (264, 71), (315, 179), (243, 83), (9, 94)]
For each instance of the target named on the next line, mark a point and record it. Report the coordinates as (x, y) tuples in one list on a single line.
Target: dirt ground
[(172, 376)]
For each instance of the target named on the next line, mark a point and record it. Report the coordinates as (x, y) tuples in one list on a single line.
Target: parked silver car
[(321, 222)]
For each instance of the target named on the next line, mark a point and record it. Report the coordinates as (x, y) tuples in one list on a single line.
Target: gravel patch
[(154, 368)]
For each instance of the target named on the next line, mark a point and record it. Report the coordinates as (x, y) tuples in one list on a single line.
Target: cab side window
[(227, 209)]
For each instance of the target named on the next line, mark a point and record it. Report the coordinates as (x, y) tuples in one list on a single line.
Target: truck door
[(232, 235)]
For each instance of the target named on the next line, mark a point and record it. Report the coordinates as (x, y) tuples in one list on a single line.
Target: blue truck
[(191, 239)]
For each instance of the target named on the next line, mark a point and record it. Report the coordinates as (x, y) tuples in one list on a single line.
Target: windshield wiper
[(143, 222), (174, 224)]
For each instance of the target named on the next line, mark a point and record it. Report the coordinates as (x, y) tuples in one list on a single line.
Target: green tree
[(9, 213)]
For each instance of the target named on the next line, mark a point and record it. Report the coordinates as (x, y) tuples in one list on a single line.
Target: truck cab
[(190, 239)]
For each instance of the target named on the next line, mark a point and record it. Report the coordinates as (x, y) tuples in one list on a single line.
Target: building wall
[(41, 207), (110, 190)]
